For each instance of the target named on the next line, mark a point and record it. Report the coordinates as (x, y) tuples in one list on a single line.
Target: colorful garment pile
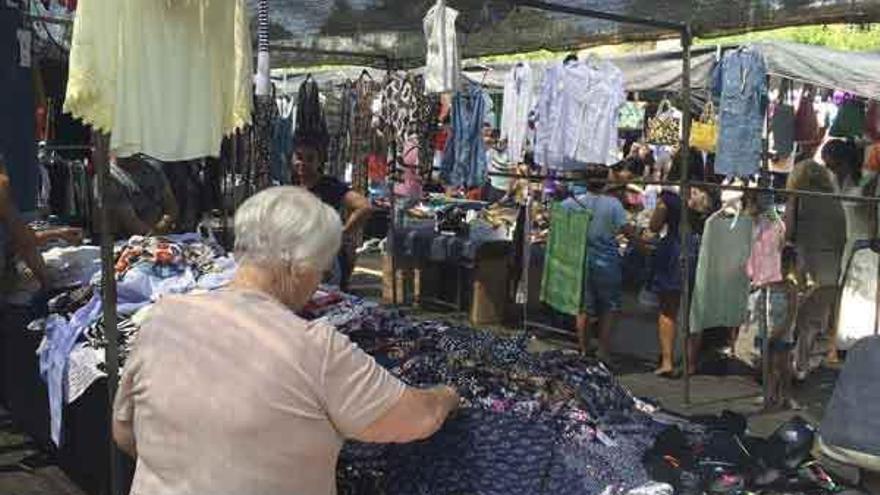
[(147, 268)]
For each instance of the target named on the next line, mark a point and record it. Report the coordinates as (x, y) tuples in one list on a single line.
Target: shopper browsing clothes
[(231, 392), (665, 226), (603, 285), (17, 240), (307, 163)]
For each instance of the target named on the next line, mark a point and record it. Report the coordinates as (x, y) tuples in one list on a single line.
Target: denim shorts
[(603, 285)]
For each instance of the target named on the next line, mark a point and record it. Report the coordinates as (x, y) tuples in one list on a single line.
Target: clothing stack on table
[(147, 268)]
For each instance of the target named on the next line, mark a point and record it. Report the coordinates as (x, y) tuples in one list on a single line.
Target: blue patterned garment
[(741, 85), (464, 160), (529, 424)]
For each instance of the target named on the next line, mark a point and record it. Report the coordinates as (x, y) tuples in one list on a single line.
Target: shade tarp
[(854, 72), (394, 27)]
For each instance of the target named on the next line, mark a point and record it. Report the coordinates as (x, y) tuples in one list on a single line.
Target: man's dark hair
[(597, 178)]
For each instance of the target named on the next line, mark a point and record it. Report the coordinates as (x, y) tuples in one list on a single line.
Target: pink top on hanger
[(765, 263)]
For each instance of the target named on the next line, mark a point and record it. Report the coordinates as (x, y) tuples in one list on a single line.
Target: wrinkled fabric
[(310, 121), (61, 336), (740, 83), (576, 115), (167, 79), (464, 161), (528, 423), (721, 288), (147, 269), (765, 262), (442, 62), (518, 101), (562, 283)]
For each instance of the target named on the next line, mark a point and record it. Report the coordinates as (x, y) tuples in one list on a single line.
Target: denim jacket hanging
[(740, 81), (464, 162)]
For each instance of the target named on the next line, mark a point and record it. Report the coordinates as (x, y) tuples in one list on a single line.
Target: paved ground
[(28, 477), (728, 387)]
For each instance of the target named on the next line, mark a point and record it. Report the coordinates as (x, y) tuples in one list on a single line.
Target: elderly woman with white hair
[(230, 392)]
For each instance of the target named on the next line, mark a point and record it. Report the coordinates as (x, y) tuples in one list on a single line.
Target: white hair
[(287, 224)]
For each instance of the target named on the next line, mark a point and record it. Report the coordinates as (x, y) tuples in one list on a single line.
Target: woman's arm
[(170, 211), (359, 209), (22, 239)]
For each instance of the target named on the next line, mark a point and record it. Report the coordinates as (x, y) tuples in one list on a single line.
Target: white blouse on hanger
[(576, 115), (518, 101), (442, 63)]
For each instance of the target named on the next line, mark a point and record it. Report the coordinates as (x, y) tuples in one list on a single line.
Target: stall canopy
[(394, 27), (660, 71)]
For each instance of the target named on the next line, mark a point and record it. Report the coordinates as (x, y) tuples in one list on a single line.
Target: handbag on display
[(632, 116), (665, 127), (704, 132)]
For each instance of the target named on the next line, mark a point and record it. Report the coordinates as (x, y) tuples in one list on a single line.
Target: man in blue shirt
[(603, 284)]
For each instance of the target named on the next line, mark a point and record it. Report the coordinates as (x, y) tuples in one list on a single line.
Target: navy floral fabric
[(529, 424)]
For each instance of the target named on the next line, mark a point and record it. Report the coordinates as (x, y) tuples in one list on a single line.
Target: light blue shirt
[(608, 218)]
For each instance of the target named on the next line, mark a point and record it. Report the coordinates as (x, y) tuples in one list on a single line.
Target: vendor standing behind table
[(17, 239), (232, 393), (307, 163), (666, 266), (603, 284), (139, 198)]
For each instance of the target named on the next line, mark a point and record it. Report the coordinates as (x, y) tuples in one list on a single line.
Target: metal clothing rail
[(598, 14), (701, 184)]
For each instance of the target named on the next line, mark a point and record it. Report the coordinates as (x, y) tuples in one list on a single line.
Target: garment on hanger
[(764, 266), (577, 114), (850, 121), (464, 160), (782, 130), (363, 132), (281, 146), (721, 288), (741, 85), (872, 121), (403, 97), (310, 120), (442, 62), (168, 79), (518, 101), (562, 283), (806, 123), (632, 117)]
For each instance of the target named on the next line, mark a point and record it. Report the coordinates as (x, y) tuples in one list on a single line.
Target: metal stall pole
[(263, 99), (684, 226), (526, 259), (100, 158), (392, 218)]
